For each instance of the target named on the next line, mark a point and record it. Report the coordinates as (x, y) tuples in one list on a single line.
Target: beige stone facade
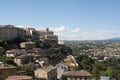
[(22, 60), (10, 32), (6, 70), (33, 34), (15, 52), (46, 73), (51, 37), (46, 32), (77, 75), (27, 45), (71, 61), (47, 35)]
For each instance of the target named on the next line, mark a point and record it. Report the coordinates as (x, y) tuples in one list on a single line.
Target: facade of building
[(15, 52), (10, 32), (77, 75), (61, 68), (33, 34), (22, 60), (47, 35), (46, 73), (6, 70), (51, 37), (42, 61), (37, 51), (27, 45), (45, 32), (71, 61)]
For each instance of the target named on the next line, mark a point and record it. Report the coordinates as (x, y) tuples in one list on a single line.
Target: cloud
[(65, 33), (76, 30), (60, 29), (24, 26), (99, 34)]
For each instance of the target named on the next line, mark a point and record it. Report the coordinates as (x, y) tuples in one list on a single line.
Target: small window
[(62, 67)]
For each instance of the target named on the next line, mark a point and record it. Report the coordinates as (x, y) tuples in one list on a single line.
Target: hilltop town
[(30, 54)]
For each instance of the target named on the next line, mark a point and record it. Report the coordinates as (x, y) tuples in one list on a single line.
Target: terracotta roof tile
[(77, 73), (16, 77)]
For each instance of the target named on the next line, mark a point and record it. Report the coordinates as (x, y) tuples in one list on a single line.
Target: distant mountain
[(89, 41), (115, 39)]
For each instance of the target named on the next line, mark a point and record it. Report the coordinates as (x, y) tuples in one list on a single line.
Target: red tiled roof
[(18, 77), (77, 73)]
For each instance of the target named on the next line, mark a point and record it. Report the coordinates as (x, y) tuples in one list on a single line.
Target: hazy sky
[(70, 19)]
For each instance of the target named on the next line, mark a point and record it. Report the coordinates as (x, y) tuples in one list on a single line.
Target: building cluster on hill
[(28, 55), (32, 57), (10, 32)]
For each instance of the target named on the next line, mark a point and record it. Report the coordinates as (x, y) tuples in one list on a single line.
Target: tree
[(118, 76), (4, 44), (85, 62), (27, 71), (18, 40), (10, 62), (95, 72)]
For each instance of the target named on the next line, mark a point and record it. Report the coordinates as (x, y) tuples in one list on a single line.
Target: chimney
[(47, 29)]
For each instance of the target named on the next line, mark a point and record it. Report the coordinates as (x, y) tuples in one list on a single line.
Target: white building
[(104, 78), (27, 45), (15, 52), (61, 68)]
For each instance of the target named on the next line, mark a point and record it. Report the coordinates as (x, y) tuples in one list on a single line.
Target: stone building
[(6, 70), (45, 32), (77, 75), (33, 35), (10, 32), (15, 52), (27, 45), (22, 60), (46, 73), (61, 68), (42, 61), (47, 35), (70, 60)]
